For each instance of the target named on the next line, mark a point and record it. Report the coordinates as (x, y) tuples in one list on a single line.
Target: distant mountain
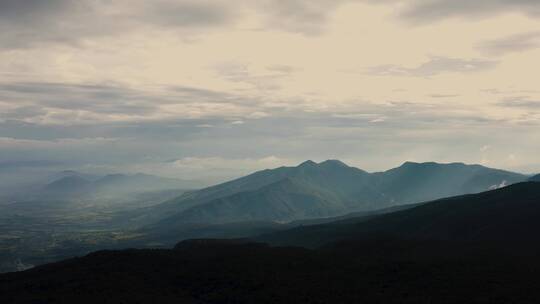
[(284, 194), (535, 178), (285, 200), (418, 182), (72, 173), (327, 189), (72, 184), (507, 216), (118, 183), (68, 185)]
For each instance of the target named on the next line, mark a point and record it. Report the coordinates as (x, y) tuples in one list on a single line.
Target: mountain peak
[(415, 164), (308, 163), (333, 163), (326, 163), (535, 178)]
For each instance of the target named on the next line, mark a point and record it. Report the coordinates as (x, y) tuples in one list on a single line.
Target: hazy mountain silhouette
[(68, 185), (72, 184), (330, 188), (535, 178), (416, 182)]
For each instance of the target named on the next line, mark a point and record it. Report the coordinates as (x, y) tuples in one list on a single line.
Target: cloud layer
[(188, 88)]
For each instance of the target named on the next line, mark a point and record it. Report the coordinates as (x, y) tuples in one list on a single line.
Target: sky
[(211, 90)]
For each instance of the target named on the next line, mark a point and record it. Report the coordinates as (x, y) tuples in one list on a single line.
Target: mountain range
[(120, 210), (507, 216), (327, 189)]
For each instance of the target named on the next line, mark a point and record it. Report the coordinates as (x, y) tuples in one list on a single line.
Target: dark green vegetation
[(477, 248)]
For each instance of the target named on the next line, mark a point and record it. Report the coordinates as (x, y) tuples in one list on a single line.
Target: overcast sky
[(215, 89)]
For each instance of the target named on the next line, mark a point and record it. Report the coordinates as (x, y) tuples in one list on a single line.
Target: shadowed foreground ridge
[(385, 272), (379, 262)]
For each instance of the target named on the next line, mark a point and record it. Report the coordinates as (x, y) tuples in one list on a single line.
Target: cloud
[(426, 11), (27, 164), (300, 16), (16, 143), (28, 23), (499, 186), (443, 95), (265, 80), (187, 13), (52, 103), (217, 162), (516, 43), (435, 66), (72, 104), (309, 17), (356, 131), (525, 102), (33, 22)]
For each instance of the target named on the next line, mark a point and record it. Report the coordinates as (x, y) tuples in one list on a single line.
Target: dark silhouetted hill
[(212, 271)]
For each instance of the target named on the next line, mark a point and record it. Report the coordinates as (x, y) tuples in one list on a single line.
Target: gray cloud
[(435, 66), (300, 16), (241, 72), (188, 13), (443, 95), (33, 22), (27, 23), (525, 102), (38, 99), (90, 104), (515, 43), (424, 11)]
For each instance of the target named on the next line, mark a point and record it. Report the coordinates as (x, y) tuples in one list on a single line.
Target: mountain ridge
[(342, 188), (504, 215), (535, 178)]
